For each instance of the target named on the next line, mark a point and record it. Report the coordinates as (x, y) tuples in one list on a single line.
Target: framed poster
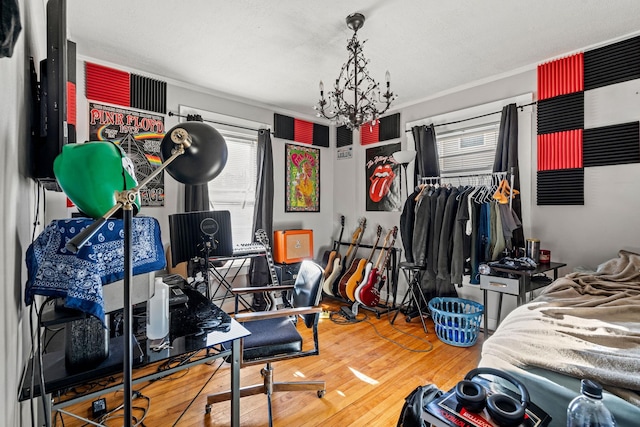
[(383, 179), (302, 179), (139, 135)]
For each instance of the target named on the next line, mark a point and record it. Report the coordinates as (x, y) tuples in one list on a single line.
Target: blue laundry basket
[(457, 320)]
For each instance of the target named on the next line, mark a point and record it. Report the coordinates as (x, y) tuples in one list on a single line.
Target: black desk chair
[(274, 335)]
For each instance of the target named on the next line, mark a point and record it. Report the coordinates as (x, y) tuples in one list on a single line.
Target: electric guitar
[(330, 286), (370, 266), (370, 293), (273, 299), (360, 265), (334, 253)]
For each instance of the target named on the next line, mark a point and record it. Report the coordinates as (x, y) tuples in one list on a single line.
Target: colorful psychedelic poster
[(302, 183), (382, 178), (140, 135)]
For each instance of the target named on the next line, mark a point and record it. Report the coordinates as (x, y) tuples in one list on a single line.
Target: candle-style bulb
[(321, 86), (387, 76)]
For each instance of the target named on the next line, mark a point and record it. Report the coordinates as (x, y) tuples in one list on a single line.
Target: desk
[(58, 380), (519, 285)]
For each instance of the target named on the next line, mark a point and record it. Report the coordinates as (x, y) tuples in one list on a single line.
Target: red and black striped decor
[(565, 144), (385, 128), (105, 84), (298, 130)]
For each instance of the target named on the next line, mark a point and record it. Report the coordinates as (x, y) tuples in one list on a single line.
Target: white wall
[(18, 210)]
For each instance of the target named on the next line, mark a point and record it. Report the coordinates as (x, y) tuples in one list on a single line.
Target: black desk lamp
[(192, 153)]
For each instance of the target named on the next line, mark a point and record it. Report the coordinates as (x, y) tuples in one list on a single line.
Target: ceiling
[(274, 53)]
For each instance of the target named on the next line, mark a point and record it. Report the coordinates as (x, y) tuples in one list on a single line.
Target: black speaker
[(503, 409)]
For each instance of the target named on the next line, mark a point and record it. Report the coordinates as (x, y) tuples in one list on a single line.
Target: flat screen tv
[(57, 97)]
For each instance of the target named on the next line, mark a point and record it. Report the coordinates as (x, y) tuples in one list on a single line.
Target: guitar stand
[(413, 275), (391, 283)]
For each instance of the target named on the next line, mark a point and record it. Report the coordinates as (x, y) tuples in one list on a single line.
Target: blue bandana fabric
[(78, 278)]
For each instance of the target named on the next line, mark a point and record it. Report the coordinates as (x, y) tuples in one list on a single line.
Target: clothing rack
[(392, 273), (499, 175)]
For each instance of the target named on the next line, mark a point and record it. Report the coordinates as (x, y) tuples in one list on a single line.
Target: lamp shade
[(90, 174), (205, 153), (405, 156)]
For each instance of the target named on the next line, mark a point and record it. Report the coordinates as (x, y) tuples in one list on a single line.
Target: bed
[(583, 325)]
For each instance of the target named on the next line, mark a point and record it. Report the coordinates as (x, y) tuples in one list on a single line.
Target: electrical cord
[(198, 393)]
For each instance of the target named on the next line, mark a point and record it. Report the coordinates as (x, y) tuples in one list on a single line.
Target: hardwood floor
[(367, 378)]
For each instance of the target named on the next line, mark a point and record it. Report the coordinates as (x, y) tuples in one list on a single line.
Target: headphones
[(503, 409)]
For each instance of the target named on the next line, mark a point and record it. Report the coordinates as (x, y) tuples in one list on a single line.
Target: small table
[(519, 286)]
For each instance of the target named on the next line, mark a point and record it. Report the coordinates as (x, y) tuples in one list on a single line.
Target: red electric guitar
[(359, 271), (370, 293), (370, 266)]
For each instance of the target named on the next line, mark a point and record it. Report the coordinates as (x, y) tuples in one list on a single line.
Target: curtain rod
[(198, 117), (521, 107)]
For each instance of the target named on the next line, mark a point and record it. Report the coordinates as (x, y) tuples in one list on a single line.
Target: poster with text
[(302, 183), (383, 178), (139, 134)]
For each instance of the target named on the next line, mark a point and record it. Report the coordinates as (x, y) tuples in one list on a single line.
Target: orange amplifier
[(291, 246)]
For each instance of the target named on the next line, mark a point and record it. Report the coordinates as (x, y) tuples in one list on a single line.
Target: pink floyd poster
[(139, 134), (383, 178)]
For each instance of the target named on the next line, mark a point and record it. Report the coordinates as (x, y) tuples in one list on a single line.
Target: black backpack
[(411, 414)]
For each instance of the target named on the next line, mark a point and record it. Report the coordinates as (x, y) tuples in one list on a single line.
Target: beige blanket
[(583, 325)]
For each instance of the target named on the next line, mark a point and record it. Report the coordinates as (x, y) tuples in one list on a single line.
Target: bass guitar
[(370, 292), (370, 266), (359, 271), (334, 253), (330, 286), (273, 299)]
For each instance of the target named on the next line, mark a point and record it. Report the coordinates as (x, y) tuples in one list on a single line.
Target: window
[(235, 188), (467, 151)]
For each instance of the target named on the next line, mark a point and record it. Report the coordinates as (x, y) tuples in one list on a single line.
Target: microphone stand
[(125, 200)]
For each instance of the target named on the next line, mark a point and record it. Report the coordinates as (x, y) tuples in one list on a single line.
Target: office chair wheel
[(207, 409), (321, 393)]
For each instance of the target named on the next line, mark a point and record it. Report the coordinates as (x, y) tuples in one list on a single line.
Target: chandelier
[(354, 83)]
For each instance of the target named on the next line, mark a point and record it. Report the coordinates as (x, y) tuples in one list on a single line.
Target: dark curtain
[(196, 198), (263, 212), (426, 152), (507, 160)]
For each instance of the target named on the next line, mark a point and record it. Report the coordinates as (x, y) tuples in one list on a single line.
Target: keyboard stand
[(225, 281)]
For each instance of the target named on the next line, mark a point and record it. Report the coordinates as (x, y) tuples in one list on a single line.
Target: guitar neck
[(272, 267)]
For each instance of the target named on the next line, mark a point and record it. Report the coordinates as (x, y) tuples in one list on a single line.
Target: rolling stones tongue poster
[(383, 178)]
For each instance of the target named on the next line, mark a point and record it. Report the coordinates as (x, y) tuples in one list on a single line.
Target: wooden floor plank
[(367, 379)]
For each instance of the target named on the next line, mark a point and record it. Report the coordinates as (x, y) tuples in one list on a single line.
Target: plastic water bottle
[(158, 311), (587, 410)]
